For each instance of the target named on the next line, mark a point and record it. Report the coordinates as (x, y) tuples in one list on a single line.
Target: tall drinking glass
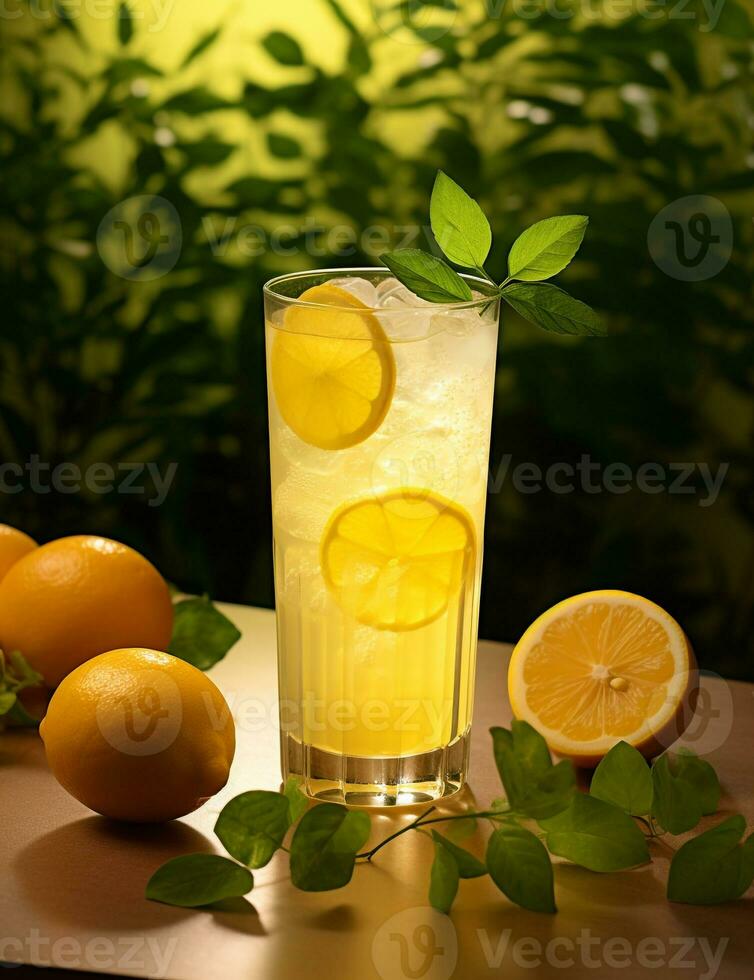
[(380, 408)]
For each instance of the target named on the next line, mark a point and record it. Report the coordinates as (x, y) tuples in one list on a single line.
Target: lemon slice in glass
[(395, 560), (332, 370)]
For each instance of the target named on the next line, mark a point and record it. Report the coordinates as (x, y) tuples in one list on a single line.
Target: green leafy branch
[(16, 675), (463, 233), (629, 805)]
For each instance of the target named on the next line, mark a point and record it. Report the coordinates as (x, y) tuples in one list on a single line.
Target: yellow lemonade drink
[(380, 409)]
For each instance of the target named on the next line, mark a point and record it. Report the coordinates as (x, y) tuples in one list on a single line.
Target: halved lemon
[(395, 560), (332, 370), (602, 667)]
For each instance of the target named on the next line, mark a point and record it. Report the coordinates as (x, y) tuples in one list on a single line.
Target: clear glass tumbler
[(380, 409)]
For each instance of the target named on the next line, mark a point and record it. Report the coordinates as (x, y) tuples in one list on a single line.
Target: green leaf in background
[(596, 835), (358, 59), (324, 846), (624, 779), (284, 48), (688, 767), (283, 147), (532, 784), (443, 879), (205, 41), (125, 24), (196, 101), (251, 827), (458, 223), (520, 866), (461, 830), (551, 308), (469, 865), (7, 701), (677, 805), (16, 675), (427, 276), (193, 880), (713, 867), (547, 247), (202, 635), (297, 801)]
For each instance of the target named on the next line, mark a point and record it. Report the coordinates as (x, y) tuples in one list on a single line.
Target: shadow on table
[(92, 873)]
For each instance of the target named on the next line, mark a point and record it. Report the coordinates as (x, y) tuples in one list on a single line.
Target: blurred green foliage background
[(336, 115)]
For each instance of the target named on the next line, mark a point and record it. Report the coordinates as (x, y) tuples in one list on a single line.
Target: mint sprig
[(463, 234), (608, 829)]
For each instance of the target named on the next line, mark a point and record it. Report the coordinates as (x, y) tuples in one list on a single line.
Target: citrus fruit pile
[(130, 731)]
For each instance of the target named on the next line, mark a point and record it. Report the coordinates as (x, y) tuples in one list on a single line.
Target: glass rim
[(488, 289)]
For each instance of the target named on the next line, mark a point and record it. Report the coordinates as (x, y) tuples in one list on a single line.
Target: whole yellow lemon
[(77, 597), (139, 735)]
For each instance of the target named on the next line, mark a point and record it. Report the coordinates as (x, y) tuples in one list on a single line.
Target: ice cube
[(362, 289)]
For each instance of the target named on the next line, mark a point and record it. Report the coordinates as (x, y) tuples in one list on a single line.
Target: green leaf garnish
[(677, 805), (427, 276), (534, 786), (624, 779), (297, 801), (547, 247), (553, 309), (520, 866), (596, 835), (202, 635), (469, 865), (252, 826), (458, 223), (713, 867), (198, 879), (443, 879), (324, 846)]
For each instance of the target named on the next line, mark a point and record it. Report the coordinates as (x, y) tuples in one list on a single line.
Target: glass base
[(377, 781)]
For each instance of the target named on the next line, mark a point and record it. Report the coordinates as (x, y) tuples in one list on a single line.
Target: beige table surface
[(72, 883)]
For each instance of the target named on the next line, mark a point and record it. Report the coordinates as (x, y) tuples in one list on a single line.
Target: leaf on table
[(713, 867), (193, 880), (252, 826), (624, 779), (677, 805), (520, 866), (324, 846), (469, 865), (596, 835), (687, 766), (533, 785), (443, 879), (298, 803), (202, 635)]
